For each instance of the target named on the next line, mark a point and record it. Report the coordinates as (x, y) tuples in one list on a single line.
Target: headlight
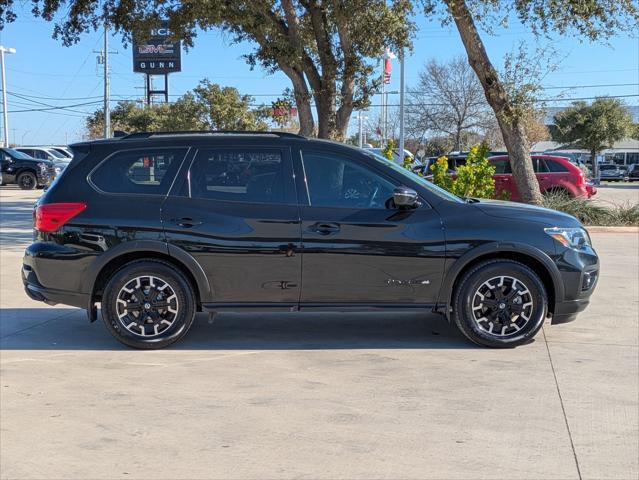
[(43, 166), (576, 238), (57, 170)]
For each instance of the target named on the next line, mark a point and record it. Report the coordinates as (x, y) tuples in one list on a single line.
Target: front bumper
[(579, 271)]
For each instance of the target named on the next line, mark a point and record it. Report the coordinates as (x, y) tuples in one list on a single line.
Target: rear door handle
[(186, 222), (324, 228)]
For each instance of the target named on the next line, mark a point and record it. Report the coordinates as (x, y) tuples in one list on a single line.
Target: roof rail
[(210, 132)]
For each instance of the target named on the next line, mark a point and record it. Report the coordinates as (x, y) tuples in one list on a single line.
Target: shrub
[(388, 150), (590, 213), (474, 179), (440, 173)]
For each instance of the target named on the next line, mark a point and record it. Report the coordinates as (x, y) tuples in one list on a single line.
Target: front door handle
[(186, 222), (324, 228)]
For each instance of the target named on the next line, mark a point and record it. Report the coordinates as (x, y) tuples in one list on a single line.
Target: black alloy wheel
[(148, 304), (500, 303), (27, 181)]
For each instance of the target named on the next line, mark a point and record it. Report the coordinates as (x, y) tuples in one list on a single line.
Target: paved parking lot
[(617, 193), (317, 396)]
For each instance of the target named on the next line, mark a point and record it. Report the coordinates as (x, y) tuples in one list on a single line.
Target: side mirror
[(405, 197)]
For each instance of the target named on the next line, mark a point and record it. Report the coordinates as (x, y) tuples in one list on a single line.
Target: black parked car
[(156, 227), (25, 171), (633, 172)]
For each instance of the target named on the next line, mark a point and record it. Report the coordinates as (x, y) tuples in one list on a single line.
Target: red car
[(554, 174)]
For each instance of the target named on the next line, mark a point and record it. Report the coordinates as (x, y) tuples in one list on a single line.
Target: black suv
[(26, 171), (156, 227)]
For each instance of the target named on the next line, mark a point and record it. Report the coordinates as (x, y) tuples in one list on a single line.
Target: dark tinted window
[(252, 176), (607, 167), (335, 181), (539, 166), (502, 166), (147, 171), (554, 167)]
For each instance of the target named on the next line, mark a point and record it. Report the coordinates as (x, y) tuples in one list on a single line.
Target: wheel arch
[(124, 253), (535, 259)]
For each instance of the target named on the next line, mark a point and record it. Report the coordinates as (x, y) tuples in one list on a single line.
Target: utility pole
[(4, 50), (401, 106), (382, 109), (103, 59), (107, 110)]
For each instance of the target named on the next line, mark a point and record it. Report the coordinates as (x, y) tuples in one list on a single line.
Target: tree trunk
[(595, 167), (509, 122), (302, 100), (325, 107)]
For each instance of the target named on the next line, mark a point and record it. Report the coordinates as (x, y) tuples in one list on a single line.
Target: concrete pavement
[(318, 396)]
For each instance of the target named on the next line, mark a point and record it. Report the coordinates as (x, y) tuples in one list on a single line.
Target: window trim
[(89, 178), (290, 192)]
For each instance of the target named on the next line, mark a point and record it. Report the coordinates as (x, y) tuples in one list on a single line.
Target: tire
[(27, 181), (483, 319), (161, 317)]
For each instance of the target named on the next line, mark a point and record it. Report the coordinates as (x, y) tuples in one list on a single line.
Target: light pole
[(4, 50), (401, 107)]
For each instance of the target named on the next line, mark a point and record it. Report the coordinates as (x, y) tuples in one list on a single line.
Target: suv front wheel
[(148, 304), (500, 303)]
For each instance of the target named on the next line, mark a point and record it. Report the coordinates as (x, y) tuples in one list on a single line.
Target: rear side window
[(502, 167), (143, 171), (553, 166), (239, 175)]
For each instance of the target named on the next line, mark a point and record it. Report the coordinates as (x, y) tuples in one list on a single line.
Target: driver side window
[(336, 181)]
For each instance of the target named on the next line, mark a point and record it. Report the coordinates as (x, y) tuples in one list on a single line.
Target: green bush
[(590, 213), (473, 179), (388, 150)]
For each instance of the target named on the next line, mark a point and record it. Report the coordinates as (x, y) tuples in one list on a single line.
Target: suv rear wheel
[(148, 304), (500, 303)]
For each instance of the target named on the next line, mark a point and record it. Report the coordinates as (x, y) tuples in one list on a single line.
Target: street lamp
[(4, 50)]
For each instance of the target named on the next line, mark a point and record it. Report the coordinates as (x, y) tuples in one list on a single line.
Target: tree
[(325, 47), (448, 99), (207, 107), (592, 19), (224, 108), (593, 127)]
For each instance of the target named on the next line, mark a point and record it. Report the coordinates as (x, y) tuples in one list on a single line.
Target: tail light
[(51, 216)]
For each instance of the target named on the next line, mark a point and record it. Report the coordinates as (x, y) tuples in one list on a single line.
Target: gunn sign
[(157, 55)]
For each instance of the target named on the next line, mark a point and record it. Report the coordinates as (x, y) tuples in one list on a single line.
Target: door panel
[(357, 251), (235, 214), (373, 256)]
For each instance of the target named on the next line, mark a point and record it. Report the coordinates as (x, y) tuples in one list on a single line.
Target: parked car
[(554, 174), (62, 150), (633, 172), (27, 172), (397, 159), (455, 159), (47, 153), (611, 172), (156, 227)]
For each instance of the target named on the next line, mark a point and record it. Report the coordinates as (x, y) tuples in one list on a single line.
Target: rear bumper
[(51, 296)]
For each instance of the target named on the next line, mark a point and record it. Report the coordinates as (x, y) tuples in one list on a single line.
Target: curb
[(596, 229)]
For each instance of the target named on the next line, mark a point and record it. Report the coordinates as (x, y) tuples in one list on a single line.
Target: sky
[(43, 73)]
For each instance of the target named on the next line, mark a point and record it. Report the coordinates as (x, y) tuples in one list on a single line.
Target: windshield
[(17, 155), (54, 153), (440, 192)]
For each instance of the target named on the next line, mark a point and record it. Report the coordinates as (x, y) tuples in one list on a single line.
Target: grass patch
[(590, 213)]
